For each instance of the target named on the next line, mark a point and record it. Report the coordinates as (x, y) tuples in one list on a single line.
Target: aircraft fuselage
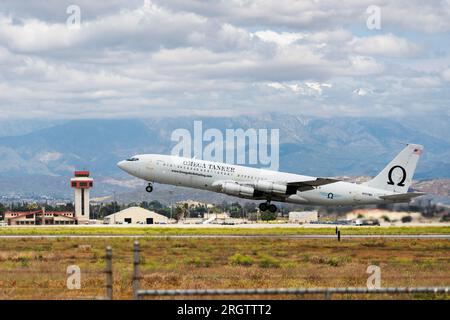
[(213, 176)]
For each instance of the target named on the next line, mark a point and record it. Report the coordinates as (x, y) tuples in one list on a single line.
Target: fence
[(35, 275), (326, 292), (138, 293)]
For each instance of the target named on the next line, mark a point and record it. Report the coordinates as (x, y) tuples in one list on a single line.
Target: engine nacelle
[(237, 190), (270, 187)]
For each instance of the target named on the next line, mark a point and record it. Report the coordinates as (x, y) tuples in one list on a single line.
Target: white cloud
[(384, 45), (217, 57), (306, 88), (423, 82), (281, 39), (430, 17), (446, 74), (49, 156), (361, 92), (365, 65)]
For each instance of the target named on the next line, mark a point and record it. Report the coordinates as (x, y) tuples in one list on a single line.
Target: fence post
[(339, 235), (109, 273), (136, 275)]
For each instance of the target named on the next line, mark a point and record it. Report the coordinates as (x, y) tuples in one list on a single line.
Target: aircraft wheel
[(149, 188), (263, 206), (272, 208)]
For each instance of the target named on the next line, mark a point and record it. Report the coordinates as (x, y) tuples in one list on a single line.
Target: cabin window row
[(164, 164)]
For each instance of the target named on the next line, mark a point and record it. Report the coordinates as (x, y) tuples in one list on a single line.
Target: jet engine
[(270, 187), (237, 189)]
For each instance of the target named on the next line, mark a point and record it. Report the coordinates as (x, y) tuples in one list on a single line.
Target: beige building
[(382, 215), (195, 204), (303, 216), (218, 216), (39, 217), (135, 215)]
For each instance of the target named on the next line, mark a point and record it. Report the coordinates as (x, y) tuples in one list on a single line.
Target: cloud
[(446, 74), (49, 156), (384, 45), (428, 17), (362, 91), (219, 57), (281, 39), (306, 88)]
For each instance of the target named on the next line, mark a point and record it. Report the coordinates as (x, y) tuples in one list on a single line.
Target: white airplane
[(389, 186)]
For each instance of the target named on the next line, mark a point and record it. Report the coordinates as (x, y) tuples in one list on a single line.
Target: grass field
[(36, 268), (169, 230)]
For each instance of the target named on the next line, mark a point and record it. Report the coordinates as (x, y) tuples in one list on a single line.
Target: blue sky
[(223, 58)]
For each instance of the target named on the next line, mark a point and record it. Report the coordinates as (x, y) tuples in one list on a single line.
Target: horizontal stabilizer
[(403, 197), (308, 185)]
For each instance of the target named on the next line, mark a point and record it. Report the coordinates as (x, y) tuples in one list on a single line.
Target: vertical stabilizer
[(398, 174)]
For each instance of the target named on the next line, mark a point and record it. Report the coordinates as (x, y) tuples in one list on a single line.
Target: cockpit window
[(133, 159)]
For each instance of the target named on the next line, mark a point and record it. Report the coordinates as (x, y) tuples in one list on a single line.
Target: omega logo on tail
[(401, 183)]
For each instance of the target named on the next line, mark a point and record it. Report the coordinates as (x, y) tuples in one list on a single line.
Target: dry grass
[(36, 268), (219, 230)]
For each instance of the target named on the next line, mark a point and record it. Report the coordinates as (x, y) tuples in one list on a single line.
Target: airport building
[(303, 216), (194, 204), (135, 215), (82, 184), (39, 217)]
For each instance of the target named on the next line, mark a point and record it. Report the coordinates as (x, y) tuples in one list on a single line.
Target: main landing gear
[(149, 188), (268, 206)]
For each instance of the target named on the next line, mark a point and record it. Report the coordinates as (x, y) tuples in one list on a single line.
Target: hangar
[(135, 215)]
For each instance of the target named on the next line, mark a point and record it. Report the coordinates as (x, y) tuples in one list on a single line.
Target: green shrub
[(406, 219), (268, 216), (241, 260), (24, 261), (199, 262), (374, 243), (331, 261), (334, 261), (267, 261)]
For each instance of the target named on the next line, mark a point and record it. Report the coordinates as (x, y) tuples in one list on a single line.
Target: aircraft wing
[(301, 186), (403, 197)]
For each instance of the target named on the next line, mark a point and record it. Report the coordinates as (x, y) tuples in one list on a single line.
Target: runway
[(266, 236)]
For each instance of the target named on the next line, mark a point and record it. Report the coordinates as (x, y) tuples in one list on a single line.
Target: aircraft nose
[(122, 165)]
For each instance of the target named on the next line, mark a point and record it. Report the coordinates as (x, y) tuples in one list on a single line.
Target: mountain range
[(39, 156)]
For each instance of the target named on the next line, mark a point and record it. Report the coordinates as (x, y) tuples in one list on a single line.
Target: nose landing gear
[(149, 188), (268, 206)]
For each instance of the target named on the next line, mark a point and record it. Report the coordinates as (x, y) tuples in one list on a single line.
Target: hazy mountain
[(322, 147), (21, 127)]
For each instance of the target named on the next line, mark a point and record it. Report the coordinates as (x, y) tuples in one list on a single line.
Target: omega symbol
[(401, 183)]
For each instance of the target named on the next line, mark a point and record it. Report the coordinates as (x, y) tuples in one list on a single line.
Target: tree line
[(248, 210)]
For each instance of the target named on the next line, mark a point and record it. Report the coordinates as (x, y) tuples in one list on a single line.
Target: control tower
[(82, 184)]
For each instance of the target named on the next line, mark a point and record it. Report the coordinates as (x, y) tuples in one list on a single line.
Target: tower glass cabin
[(82, 184)]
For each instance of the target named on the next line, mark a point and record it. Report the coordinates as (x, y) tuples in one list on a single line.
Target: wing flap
[(308, 185)]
